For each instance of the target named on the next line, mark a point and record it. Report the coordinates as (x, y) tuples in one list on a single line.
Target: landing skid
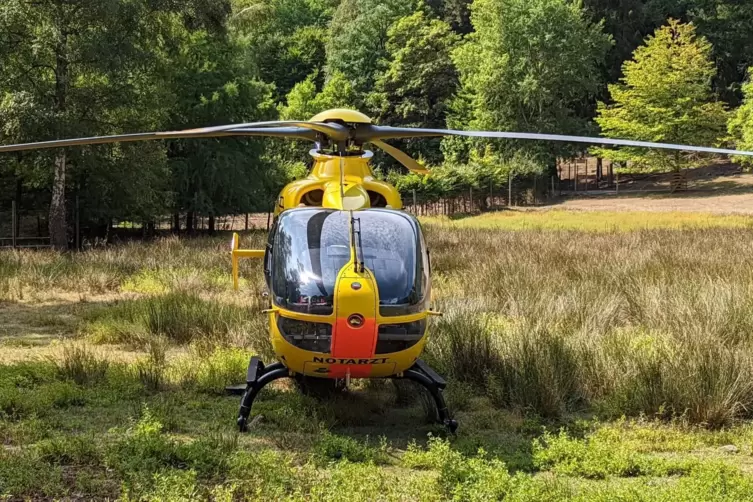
[(258, 376)]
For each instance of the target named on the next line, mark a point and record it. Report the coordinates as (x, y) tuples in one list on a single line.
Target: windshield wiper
[(357, 243)]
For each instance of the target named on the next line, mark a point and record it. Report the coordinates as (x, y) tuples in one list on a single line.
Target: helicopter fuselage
[(347, 272)]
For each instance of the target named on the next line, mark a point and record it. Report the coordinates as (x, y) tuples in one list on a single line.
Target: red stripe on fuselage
[(353, 343)]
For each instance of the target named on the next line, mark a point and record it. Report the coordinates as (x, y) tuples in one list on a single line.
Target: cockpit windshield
[(311, 246)]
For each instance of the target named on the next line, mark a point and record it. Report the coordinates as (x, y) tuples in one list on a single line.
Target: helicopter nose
[(355, 331)]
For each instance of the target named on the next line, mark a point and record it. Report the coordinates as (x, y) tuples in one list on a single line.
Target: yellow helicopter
[(347, 271)]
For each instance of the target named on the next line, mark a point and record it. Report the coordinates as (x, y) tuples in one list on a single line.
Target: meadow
[(591, 356)]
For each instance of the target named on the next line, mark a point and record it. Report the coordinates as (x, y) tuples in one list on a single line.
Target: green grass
[(601, 221), (583, 365)]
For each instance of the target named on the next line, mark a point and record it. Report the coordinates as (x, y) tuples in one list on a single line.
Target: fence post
[(552, 186), (617, 181), (78, 225), (246, 222), (509, 189), (576, 176), (586, 173), (13, 228)]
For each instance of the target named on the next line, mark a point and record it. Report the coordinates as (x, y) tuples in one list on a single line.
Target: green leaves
[(419, 81), (665, 96), (531, 65), (740, 126)]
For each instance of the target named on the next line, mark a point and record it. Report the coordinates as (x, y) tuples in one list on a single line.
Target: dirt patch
[(35, 329), (714, 204), (709, 191)]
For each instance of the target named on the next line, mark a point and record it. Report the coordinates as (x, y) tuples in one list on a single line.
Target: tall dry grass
[(650, 321)]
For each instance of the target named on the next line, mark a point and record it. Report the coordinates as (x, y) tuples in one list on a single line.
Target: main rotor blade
[(284, 132), (401, 157), (332, 130), (371, 133)]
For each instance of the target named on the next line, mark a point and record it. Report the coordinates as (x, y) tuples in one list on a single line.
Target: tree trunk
[(176, 223), (58, 226), (599, 170), (212, 224), (189, 222)]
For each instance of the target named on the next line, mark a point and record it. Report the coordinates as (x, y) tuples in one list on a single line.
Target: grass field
[(591, 356)]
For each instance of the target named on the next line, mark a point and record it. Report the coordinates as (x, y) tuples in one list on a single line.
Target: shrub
[(337, 447), (598, 457), (460, 477)]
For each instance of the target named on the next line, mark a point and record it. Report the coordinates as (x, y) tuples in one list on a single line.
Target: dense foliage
[(86, 67), (665, 96)]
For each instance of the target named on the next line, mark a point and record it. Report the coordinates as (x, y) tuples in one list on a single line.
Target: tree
[(357, 44), (531, 65), (665, 96), (627, 23), (456, 13), (213, 83), (288, 37), (303, 102), (76, 68), (741, 122), (420, 80), (728, 25)]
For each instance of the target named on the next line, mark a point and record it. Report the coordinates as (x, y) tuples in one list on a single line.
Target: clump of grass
[(17, 403), (152, 369), (180, 317), (211, 372), (76, 450), (24, 475), (642, 322), (80, 364)]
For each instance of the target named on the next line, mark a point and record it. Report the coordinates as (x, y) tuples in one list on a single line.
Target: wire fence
[(24, 222)]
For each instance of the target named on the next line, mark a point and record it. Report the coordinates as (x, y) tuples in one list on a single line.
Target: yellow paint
[(342, 114), (236, 253), (357, 180), (341, 183), (347, 301)]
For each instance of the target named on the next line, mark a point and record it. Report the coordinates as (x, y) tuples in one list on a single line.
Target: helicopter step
[(259, 375)]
